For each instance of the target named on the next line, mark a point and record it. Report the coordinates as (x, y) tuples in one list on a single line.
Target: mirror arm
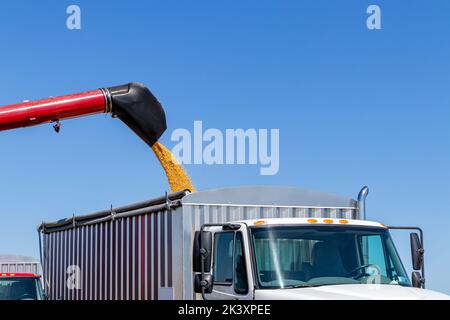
[(204, 253), (421, 250)]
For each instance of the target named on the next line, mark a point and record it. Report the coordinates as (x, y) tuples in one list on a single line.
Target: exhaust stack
[(362, 202), (132, 103)]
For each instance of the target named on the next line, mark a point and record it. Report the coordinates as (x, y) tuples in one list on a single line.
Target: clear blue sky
[(353, 106)]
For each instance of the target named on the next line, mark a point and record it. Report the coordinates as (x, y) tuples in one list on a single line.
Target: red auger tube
[(133, 103), (36, 112)]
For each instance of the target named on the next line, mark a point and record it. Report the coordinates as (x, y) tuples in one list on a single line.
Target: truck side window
[(223, 258), (240, 268), (373, 252)]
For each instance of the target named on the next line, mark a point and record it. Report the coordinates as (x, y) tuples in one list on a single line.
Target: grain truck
[(20, 278), (254, 242), (21, 286)]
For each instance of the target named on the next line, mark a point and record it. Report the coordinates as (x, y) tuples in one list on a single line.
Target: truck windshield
[(20, 288), (306, 256)]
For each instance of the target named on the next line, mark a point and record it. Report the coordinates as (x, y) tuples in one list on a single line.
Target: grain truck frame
[(155, 249)]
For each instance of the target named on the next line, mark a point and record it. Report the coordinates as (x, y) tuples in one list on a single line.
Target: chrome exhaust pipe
[(362, 202)]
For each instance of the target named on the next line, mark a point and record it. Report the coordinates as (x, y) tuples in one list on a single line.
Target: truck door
[(231, 267)]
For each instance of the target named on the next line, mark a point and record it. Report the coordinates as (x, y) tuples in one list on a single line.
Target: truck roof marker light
[(328, 221), (260, 222), (20, 275), (343, 221), (312, 220), (383, 225)]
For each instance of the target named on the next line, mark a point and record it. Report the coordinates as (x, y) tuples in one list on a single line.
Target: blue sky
[(354, 106)]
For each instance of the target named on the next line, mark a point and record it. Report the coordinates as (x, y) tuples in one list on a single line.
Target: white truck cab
[(305, 258)]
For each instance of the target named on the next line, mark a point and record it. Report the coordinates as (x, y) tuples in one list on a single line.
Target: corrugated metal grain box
[(144, 250), (12, 263)]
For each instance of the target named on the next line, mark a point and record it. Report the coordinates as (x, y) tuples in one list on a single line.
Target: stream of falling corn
[(176, 175)]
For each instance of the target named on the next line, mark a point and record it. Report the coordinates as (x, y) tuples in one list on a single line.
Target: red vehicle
[(21, 286)]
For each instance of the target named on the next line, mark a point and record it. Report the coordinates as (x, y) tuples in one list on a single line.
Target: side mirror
[(207, 283), (202, 247), (416, 251), (416, 279)]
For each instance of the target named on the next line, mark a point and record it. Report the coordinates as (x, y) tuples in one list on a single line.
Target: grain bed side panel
[(125, 259)]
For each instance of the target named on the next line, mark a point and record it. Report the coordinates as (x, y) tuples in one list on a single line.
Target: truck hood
[(351, 292)]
